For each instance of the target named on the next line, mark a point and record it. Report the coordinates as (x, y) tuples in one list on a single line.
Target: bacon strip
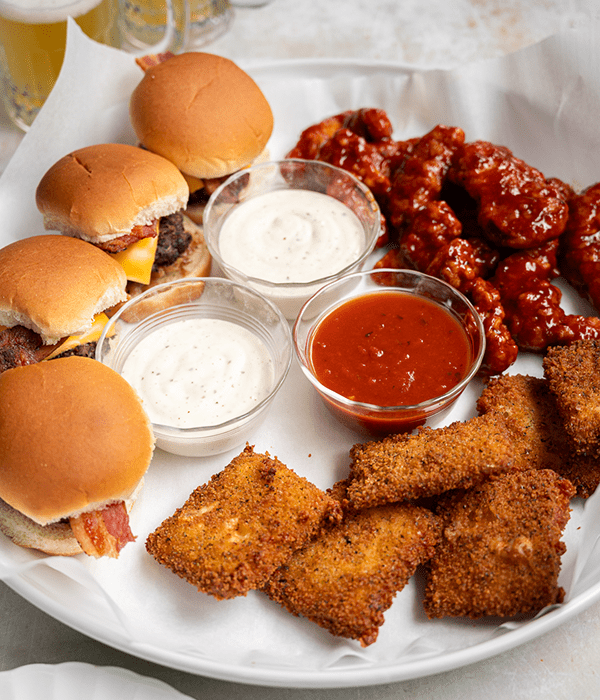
[(103, 532), (153, 59), (21, 346), (116, 245)]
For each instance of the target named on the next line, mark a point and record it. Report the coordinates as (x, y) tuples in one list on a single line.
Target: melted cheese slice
[(137, 259), (194, 183), (100, 320)]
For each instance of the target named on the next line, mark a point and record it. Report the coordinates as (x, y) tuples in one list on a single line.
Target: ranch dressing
[(291, 236), (199, 372)]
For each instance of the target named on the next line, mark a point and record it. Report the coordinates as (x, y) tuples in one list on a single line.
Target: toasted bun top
[(56, 285), (202, 112), (73, 437), (101, 192)]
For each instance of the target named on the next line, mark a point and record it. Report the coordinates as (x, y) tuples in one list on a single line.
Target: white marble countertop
[(564, 663)]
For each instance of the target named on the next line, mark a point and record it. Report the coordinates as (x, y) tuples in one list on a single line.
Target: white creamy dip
[(199, 372), (291, 236)]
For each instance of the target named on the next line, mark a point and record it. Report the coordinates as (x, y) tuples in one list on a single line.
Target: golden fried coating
[(235, 530), (528, 408), (573, 373), (346, 579), (429, 462), (500, 548)]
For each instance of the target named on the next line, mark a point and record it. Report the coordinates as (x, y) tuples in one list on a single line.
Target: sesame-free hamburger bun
[(129, 202), (203, 113), (102, 192), (55, 286), (74, 439), (206, 115)]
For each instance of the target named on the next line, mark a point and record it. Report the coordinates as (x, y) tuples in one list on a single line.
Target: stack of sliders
[(75, 444), (54, 291), (75, 441), (225, 126), (128, 202)]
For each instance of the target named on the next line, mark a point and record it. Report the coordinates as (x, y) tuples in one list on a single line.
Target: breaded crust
[(346, 579), (528, 407), (500, 548), (573, 373), (429, 462), (235, 530)]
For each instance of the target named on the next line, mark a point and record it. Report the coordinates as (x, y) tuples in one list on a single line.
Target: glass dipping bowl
[(200, 298), (370, 418), (290, 174)]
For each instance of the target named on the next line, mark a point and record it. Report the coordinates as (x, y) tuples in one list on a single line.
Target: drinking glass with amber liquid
[(32, 47)]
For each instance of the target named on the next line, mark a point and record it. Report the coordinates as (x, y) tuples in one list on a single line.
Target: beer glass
[(32, 47), (197, 22)]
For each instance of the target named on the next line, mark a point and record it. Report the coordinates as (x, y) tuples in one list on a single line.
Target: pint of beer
[(32, 46), (196, 22)]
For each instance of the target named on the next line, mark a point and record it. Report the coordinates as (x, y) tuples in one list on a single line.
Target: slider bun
[(55, 285), (73, 438), (101, 192), (57, 538), (203, 113)]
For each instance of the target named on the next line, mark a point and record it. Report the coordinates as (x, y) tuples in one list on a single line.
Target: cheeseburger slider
[(203, 113), (54, 291), (75, 444), (128, 202)]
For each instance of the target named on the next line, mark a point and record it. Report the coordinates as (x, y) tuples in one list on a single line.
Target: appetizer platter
[(136, 605)]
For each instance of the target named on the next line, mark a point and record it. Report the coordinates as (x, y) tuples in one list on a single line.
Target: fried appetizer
[(500, 548), (429, 462), (528, 408), (573, 373), (346, 579), (235, 530)]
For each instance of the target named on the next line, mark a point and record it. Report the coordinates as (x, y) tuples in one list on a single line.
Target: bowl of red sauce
[(388, 349)]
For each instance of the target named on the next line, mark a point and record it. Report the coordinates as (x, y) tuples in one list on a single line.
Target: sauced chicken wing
[(429, 462), (517, 206), (500, 548), (346, 579), (234, 531)]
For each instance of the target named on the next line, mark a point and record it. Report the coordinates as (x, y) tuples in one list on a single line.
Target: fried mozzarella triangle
[(573, 373), (529, 409), (348, 577), (500, 550), (234, 531), (429, 462)]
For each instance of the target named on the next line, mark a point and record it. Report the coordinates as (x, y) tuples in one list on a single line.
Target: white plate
[(74, 681), (135, 605)]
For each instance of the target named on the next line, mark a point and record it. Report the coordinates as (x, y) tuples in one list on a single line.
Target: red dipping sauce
[(390, 348)]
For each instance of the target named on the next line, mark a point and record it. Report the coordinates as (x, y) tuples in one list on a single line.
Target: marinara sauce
[(390, 349)]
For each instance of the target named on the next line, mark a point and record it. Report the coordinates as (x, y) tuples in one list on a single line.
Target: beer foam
[(45, 11)]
